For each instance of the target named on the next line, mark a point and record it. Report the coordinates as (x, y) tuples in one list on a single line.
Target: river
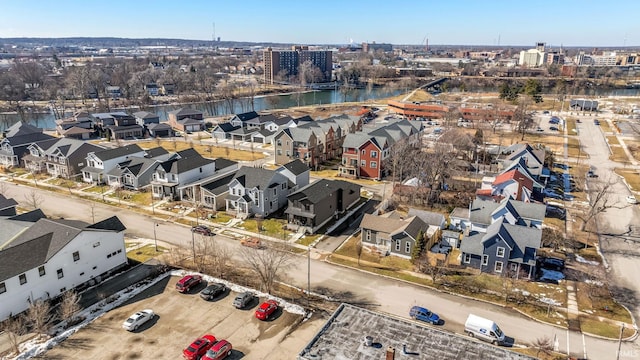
[(269, 102)]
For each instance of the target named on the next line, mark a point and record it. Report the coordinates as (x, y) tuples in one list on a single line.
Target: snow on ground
[(549, 301), (594, 282), (36, 347), (585, 261)]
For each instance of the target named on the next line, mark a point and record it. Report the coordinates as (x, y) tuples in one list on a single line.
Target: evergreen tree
[(418, 247)]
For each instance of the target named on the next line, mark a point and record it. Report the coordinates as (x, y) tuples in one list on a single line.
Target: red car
[(186, 283), (199, 347), (266, 309), (218, 351)]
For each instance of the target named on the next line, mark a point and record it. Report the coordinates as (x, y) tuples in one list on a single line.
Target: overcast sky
[(444, 22)]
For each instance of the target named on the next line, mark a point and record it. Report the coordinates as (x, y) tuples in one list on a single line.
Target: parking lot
[(180, 319)]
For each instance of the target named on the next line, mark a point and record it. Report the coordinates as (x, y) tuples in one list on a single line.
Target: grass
[(209, 151), (618, 155), (554, 223), (97, 189), (308, 239), (145, 253), (221, 217), (631, 177), (381, 271), (600, 303), (573, 147), (613, 140), (597, 327), (270, 227), (66, 183), (604, 125)]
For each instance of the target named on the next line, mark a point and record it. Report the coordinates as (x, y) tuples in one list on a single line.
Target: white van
[(483, 329)]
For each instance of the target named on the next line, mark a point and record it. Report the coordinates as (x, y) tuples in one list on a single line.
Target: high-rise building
[(284, 65)]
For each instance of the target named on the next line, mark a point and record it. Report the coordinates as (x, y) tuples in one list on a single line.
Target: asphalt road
[(392, 296)]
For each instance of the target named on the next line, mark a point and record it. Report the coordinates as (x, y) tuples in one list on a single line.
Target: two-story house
[(391, 234), (42, 258), (256, 191), (136, 172), (513, 184), (297, 143), (59, 157), (312, 206), (17, 139), (99, 163), (297, 172), (483, 213), (533, 158), (125, 126), (187, 167), (78, 126), (145, 118), (187, 120)]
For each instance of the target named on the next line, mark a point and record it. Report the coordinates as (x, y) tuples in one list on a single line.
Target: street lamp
[(155, 239), (308, 274)]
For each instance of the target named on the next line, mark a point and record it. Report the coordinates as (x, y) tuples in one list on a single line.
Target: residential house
[(152, 89), (42, 258), (297, 172), (59, 157), (533, 158), (187, 120), (113, 92), (193, 190), (314, 205), (297, 143), (167, 89), (136, 172), (256, 191), (502, 248), (214, 192), (120, 125), (483, 213), (144, 118), (160, 130), (513, 184), (223, 131), (459, 220), (430, 218), (238, 120), (187, 167), (391, 234), (364, 152), (16, 141), (7, 207), (79, 126), (99, 163)]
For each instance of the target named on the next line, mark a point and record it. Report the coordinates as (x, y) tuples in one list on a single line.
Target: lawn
[(145, 253), (350, 250), (613, 140), (631, 177), (69, 184), (618, 154), (97, 189), (270, 227), (600, 302), (307, 240), (209, 151), (597, 327), (573, 147)]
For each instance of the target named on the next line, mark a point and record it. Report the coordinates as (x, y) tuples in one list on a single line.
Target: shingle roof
[(156, 151), (190, 121), (296, 167), (226, 127), (222, 163), (185, 112), (158, 126), (247, 116), (187, 159), (429, 217), (250, 177), (6, 203), (145, 115), (21, 128), (319, 190), (219, 185), (118, 152), (24, 139)]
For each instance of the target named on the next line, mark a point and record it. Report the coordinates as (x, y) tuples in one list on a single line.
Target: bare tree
[(220, 259), (204, 252), (69, 306), (39, 316), (33, 199), (543, 345), (435, 271), (601, 201), (14, 327), (268, 263), (552, 238)]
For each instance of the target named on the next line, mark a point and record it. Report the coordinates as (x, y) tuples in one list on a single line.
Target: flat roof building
[(285, 65)]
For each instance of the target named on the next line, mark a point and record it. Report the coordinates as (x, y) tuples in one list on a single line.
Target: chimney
[(391, 353)]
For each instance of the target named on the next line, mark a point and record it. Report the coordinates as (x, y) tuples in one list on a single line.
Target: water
[(219, 108)]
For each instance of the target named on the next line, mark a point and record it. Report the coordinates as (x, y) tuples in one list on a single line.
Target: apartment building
[(283, 65)]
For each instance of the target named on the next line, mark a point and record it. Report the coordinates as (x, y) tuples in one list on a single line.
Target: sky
[(445, 22)]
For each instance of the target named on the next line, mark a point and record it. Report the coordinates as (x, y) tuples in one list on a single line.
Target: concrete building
[(284, 65), (533, 57), (373, 47)]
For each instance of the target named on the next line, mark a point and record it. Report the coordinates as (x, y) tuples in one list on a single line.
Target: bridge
[(434, 83)]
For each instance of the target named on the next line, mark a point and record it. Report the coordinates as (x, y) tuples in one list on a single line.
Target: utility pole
[(155, 239), (308, 274)]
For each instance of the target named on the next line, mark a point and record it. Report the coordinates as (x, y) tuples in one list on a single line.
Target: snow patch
[(594, 282), (580, 259), (546, 300)]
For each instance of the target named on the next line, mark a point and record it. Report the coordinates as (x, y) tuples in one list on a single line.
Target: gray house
[(391, 234), (256, 191), (316, 204), (504, 248), (16, 140), (297, 172), (146, 118), (483, 213)]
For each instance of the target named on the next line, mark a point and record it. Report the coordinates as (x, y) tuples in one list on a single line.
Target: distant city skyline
[(456, 22)]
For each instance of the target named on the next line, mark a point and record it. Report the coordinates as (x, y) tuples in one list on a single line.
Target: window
[(514, 267), (63, 289), (3, 288), (374, 154), (498, 267), (374, 164), (279, 152), (485, 259), (288, 153), (500, 252), (279, 143), (363, 162), (60, 274), (467, 258), (108, 256), (364, 151), (23, 279), (407, 247), (397, 245), (368, 235), (41, 271), (284, 186), (76, 256), (82, 273)]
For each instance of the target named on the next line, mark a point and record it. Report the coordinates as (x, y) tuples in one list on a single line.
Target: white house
[(99, 163), (256, 191), (42, 258), (187, 167)]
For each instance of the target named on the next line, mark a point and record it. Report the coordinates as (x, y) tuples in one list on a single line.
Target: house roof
[(68, 147), (21, 128), (429, 217), (319, 190), (42, 240), (222, 163), (219, 185), (6, 203), (296, 167), (156, 151), (118, 152), (145, 115), (460, 213), (24, 139), (472, 243), (522, 240), (226, 127), (74, 130), (392, 225), (186, 160), (185, 112), (190, 121), (251, 177), (158, 126), (246, 116)]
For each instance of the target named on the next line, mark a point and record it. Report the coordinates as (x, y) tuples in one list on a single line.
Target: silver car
[(136, 320), (242, 300)]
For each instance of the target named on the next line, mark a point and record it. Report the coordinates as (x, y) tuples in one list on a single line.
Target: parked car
[(423, 314), (188, 282), (213, 290), (252, 242), (218, 351), (546, 112), (203, 230), (199, 347), (136, 320), (591, 174), (551, 263), (553, 128), (243, 299), (540, 129), (266, 309), (632, 199), (596, 122), (483, 329)]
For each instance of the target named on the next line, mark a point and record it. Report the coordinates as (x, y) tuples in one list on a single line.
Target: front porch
[(164, 190), (238, 206)]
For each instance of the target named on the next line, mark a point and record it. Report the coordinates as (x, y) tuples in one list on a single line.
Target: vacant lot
[(180, 319)]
